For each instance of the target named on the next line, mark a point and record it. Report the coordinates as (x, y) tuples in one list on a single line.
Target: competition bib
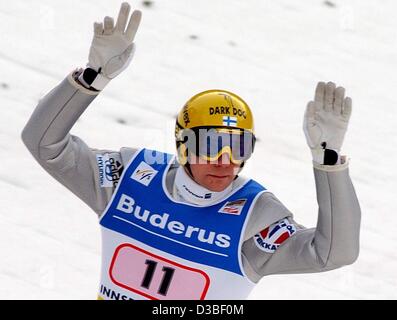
[(157, 248)]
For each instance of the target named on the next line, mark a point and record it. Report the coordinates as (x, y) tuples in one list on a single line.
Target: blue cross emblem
[(229, 121)]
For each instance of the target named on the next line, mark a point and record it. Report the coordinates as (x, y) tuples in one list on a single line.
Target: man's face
[(215, 175)]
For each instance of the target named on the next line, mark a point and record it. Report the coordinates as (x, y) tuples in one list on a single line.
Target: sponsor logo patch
[(110, 169), (205, 196), (272, 237), (144, 174), (233, 207)]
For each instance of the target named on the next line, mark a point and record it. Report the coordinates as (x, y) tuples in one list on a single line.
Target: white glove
[(112, 48), (325, 122)]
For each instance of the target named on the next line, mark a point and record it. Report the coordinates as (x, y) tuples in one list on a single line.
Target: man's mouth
[(218, 176)]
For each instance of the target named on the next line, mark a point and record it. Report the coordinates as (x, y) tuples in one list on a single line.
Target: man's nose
[(223, 160)]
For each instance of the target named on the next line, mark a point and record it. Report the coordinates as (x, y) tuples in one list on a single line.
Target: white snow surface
[(272, 53)]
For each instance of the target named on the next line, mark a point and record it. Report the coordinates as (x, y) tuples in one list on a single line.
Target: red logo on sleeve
[(272, 237)]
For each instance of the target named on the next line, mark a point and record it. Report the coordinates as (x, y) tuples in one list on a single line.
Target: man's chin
[(218, 184)]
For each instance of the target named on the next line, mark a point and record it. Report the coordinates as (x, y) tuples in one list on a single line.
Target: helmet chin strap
[(189, 190), (189, 170)]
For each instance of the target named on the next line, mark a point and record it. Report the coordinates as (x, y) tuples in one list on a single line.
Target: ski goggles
[(210, 143)]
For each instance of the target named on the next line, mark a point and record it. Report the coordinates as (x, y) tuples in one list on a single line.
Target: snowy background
[(272, 53)]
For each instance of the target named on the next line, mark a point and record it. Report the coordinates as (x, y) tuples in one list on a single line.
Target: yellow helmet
[(221, 110)]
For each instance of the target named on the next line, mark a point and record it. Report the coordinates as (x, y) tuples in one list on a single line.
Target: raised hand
[(326, 120), (112, 47)]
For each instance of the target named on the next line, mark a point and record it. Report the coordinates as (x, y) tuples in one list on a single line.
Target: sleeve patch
[(110, 169), (272, 237)]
